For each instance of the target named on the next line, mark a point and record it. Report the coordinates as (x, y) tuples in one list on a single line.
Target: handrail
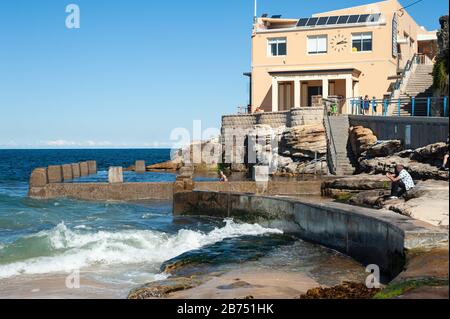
[(407, 68), (331, 137)]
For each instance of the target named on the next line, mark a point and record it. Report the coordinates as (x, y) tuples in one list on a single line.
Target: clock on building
[(339, 43)]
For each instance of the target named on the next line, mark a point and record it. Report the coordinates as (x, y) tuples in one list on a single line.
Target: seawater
[(121, 245)]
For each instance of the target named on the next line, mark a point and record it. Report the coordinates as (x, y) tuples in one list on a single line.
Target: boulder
[(304, 142), (161, 289), (431, 153), (383, 149), (361, 139), (357, 182)]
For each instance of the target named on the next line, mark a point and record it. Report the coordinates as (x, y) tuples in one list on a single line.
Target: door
[(312, 91)]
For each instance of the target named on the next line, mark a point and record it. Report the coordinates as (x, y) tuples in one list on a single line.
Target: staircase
[(419, 86), (340, 155)]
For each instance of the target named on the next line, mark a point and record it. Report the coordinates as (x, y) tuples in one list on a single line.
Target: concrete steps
[(419, 86), (337, 130)]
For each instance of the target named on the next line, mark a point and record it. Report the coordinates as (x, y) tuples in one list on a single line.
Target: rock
[(283, 161), (347, 290), (420, 171), (361, 139), (430, 153), (38, 177), (383, 149), (304, 142), (319, 168), (161, 289), (358, 182), (291, 168), (172, 165)]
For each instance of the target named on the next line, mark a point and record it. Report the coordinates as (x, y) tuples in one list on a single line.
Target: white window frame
[(277, 41), (316, 38), (361, 38)]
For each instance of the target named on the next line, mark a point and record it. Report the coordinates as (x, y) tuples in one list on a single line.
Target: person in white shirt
[(402, 182)]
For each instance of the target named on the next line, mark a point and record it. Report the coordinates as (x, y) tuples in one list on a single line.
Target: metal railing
[(436, 106), (331, 145)]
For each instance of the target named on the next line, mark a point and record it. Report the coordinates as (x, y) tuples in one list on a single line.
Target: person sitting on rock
[(402, 182), (223, 177)]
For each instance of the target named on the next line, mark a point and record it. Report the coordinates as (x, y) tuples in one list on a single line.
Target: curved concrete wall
[(370, 236)]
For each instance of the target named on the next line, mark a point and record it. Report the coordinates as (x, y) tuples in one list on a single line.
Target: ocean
[(117, 246)]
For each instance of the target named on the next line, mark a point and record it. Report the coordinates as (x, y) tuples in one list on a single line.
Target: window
[(317, 44), (277, 47), (362, 42)]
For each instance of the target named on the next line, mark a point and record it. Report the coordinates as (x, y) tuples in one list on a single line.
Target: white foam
[(77, 250)]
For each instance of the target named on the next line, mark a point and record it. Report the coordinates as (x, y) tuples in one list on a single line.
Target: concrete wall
[(423, 130), (369, 236), (294, 117), (55, 174), (161, 191)]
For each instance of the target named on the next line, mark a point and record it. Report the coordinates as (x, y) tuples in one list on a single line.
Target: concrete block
[(92, 167), (67, 172), (54, 174), (38, 177), (261, 173), (115, 175), (140, 167), (76, 170), (84, 169)]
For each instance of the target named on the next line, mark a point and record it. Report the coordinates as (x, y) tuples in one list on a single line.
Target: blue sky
[(135, 70)]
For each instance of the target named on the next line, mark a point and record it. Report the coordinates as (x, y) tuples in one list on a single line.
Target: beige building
[(344, 53)]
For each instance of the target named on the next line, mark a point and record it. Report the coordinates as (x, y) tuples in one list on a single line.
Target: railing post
[(445, 106), (385, 106), (373, 106), (399, 105), (413, 105), (428, 106)]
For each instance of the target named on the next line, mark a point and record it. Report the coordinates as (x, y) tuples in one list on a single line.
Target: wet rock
[(347, 290), (161, 289)]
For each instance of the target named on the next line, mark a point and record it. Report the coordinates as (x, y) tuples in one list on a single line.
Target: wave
[(75, 250)]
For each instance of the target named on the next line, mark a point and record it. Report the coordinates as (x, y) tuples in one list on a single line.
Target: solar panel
[(302, 22), (363, 18), (332, 20), (342, 19), (353, 19), (312, 22), (322, 21)]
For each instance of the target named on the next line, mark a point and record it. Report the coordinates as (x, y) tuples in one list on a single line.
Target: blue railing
[(414, 106)]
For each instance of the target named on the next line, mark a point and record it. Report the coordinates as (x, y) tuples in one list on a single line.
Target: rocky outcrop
[(418, 170), (161, 289), (304, 142), (354, 184), (361, 139), (383, 149), (428, 202)]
